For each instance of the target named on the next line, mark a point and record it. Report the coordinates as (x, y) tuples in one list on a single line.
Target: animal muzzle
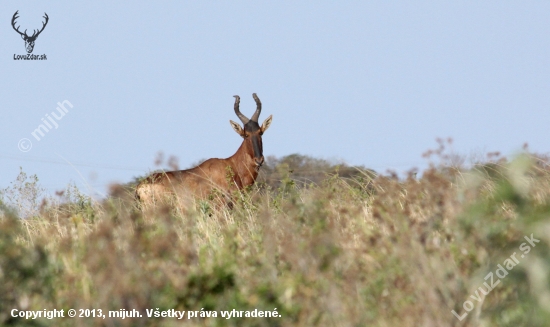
[(259, 162)]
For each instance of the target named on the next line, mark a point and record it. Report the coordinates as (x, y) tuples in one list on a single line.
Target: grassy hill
[(313, 244)]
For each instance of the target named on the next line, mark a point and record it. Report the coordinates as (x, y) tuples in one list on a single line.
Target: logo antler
[(17, 28), (29, 40)]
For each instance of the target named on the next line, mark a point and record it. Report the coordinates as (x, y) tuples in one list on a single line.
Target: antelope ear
[(266, 123), (237, 128)]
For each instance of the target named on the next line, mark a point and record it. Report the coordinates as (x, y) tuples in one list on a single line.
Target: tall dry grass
[(345, 252)]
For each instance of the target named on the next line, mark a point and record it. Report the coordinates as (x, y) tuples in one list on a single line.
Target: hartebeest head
[(29, 40), (252, 131)]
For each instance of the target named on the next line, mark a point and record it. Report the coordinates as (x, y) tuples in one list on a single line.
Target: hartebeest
[(214, 175)]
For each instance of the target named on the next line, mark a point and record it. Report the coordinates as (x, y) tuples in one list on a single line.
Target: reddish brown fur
[(214, 175)]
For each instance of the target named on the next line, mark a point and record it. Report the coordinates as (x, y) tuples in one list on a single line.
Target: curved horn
[(241, 116), (256, 114)]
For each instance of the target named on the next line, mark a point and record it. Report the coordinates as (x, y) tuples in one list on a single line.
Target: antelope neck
[(243, 159)]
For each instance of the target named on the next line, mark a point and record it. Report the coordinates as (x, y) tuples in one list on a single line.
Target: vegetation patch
[(311, 244)]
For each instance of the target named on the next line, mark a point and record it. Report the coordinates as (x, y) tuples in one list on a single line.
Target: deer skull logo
[(29, 40)]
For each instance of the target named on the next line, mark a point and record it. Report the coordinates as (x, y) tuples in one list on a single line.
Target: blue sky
[(368, 82)]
